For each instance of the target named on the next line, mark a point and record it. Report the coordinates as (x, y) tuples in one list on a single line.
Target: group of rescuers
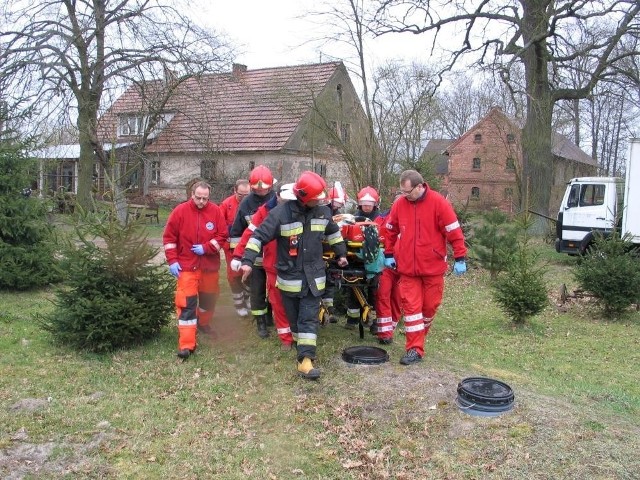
[(274, 241)]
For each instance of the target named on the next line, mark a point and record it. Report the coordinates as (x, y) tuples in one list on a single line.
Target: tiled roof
[(247, 110), (435, 150)]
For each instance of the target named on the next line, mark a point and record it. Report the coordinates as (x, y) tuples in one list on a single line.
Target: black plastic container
[(484, 397)]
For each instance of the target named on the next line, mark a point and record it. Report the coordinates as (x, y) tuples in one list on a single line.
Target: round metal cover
[(484, 396), (365, 355)]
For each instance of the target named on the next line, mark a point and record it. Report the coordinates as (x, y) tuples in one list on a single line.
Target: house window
[(339, 93), (511, 163), (345, 132), (131, 125), (155, 172), (252, 165), (320, 169), (333, 125), (475, 193), (477, 138), (208, 169), (508, 193), (511, 138), (475, 165)]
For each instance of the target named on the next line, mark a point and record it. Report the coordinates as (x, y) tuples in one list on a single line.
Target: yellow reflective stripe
[(259, 312), (234, 241), (258, 262), (289, 285), (254, 244), (253, 247), (319, 221), (307, 339), (317, 228), (321, 282), (288, 229), (334, 238)]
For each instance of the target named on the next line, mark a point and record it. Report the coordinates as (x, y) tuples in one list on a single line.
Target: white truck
[(600, 204)]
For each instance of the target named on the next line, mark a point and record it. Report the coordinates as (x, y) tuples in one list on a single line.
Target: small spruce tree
[(610, 271), (494, 242), (520, 290), (114, 296), (27, 246)]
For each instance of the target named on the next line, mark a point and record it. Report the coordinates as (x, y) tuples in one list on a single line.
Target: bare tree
[(544, 37), (63, 56)]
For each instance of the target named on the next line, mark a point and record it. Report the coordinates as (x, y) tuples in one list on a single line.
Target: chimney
[(238, 69)]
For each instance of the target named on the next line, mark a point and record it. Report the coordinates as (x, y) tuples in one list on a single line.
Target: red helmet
[(368, 196), (310, 186), (261, 177), (337, 194)]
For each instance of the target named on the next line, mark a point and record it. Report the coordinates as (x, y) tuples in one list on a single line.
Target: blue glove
[(198, 249), (459, 267), (174, 269), (390, 262)]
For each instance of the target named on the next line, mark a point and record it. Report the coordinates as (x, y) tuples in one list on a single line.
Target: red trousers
[(388, 308), (279, 315), (420, 298), (195, 300)]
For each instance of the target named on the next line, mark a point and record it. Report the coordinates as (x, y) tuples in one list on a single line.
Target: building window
[(320, 168), (345, 132), (475, 193), (477, 138), (511, 163), (208, 169), (333, 125), (131, 125), (155, 173), (508, 193), (511, 138), (252, 165), (339, 93), (475, 165)]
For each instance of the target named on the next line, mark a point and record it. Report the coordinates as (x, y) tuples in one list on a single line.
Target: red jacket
[(269, 250), (229, 208), (418, 232), (187, 226)]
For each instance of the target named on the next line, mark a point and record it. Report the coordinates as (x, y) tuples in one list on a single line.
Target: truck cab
[(589, 205)]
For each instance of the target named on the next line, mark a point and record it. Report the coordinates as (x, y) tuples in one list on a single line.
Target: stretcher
[(366, 261)]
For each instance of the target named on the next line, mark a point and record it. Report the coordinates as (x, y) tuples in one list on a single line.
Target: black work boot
[(261, 325)]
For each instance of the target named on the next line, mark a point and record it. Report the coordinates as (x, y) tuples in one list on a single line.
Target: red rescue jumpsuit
[(197, 286), (417, 236), (229, 207)]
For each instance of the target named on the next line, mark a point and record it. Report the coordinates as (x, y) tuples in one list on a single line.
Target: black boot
[(261, 325)]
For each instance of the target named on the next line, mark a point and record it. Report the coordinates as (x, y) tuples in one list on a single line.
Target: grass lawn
[(236, 409)]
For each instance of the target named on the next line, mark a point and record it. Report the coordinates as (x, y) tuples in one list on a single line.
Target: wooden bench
[(146, 212)]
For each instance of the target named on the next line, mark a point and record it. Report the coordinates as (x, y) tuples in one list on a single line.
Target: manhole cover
[(365, 355), (484, 396)]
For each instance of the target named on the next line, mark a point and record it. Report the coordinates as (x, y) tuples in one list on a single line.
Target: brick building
[(483, 166)]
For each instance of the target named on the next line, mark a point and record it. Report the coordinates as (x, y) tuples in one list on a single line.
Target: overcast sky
[(273, 33)]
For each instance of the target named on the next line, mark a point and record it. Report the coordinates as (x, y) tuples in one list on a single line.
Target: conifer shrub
[(113, 295), (520, 290), (27, 242), (494, 242), (610, 271)]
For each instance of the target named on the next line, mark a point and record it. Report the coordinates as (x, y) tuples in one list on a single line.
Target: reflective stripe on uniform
[(288, 285), (283, 331), (305, 338), (215, 244), (233, 242), (413, 323), (169, 246), (252, 227), (318, 224), (187, 323), (289, 229), (321, 282), (334, 238), (353, 312), (263, 311), (254, 245), (452, 226)]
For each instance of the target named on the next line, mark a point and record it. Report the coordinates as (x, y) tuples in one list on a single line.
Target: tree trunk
[(86, 161), (537, 132)]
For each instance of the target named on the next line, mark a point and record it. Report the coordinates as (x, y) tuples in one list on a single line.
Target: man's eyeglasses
[(405, 193)]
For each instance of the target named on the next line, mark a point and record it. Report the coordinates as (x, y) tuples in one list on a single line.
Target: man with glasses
[(419, 226), (192, 240), (229, 207)]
